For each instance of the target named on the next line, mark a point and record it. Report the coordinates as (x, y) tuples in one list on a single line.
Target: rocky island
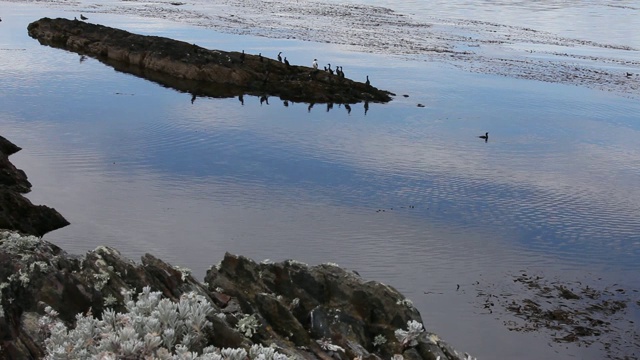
[(191, 68), (55, 305)]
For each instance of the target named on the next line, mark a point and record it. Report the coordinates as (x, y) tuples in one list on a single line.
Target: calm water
[(139, 167)]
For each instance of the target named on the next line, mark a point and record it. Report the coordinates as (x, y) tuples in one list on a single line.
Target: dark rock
[(16, 211), (191, 68), (325, 302), (339, 323)]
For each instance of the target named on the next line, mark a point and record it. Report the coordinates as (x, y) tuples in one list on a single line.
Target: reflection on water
[(403, 194)]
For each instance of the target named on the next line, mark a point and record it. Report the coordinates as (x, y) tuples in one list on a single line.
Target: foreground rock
[(305, 312), (189, 67), (16, 211)]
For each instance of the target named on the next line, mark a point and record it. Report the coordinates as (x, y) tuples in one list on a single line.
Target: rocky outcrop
[(191, 68), (306, 312), (16, 211)]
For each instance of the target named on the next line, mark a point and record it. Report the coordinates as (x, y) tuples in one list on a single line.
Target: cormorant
[(82, 17), (260, 56), (242, 57), (280, 57), (286, 62), (368, 83), (485, 137)]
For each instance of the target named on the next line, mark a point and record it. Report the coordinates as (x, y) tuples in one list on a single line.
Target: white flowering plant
[(410, 336), (153, 328)]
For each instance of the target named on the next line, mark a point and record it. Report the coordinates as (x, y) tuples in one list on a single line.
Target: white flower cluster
[(185, 272), (327, 345), (248, 325), (405, 302), (379, 340), (18, 244), (410, 336), (25, 247), (153, 328)]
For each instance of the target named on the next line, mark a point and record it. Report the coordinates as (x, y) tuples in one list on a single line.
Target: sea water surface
[(406, 195)]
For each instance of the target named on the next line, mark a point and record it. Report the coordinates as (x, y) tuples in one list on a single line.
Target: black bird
[(260, 56), (629, 74), (485, 137), (82, 17), (242, 57), (368, 82), (286, 62), (280, 57)]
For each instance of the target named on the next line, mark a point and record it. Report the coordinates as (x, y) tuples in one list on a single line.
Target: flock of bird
[(339, 71), (314, 65)]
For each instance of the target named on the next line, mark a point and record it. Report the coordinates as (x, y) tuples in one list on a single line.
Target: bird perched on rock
[(82, 17), (286, 62), (280, 57), (315, 63), (242, 57), (368, 82)]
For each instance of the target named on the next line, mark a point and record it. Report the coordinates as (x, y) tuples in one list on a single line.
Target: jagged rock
[(325, 303), (191, 68), (16, 211), (336, 315)]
